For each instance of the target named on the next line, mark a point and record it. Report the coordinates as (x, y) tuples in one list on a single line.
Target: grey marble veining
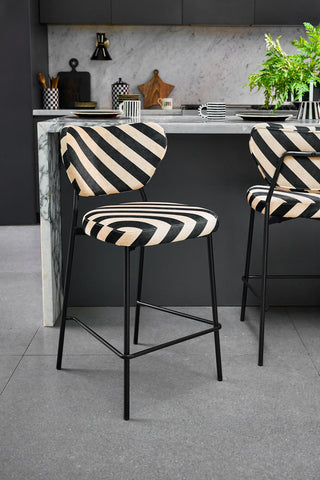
[(50, 220), (204, 63)]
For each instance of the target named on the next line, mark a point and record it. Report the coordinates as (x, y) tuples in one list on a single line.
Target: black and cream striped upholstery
[(269, 141), (297, 192), (105, 160), (283, 203), (148, 223)]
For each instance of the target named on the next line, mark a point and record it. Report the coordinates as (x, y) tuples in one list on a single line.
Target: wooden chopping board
[(73, 86), (155, 89)]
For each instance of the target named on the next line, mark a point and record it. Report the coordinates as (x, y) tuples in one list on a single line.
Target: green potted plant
[(309, 51), (283, 75)]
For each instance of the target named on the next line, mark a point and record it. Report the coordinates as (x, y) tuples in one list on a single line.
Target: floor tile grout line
[(22, 356), (303, 343)]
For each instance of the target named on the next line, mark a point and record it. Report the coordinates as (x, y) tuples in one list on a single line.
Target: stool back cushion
[(268, 141), (105, 160)]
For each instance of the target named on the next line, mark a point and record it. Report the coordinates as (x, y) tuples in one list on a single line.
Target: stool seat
[(148, 223), (287, 204)]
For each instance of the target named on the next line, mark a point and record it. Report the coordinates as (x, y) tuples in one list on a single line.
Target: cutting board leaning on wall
[(74, 86), (155, 89)]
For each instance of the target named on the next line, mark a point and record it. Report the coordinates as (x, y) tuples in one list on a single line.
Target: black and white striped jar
[(119, 88)]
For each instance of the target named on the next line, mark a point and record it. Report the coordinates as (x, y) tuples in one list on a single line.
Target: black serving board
[(73, 86)]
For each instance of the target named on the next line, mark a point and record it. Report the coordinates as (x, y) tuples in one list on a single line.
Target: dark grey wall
[(213, 171), (38, 51), (23, 53)]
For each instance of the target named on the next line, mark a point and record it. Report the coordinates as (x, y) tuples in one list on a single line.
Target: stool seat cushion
[(148, 223), (284, 203)]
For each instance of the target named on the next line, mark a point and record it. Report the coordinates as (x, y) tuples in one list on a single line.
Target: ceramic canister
[(118, 88), (50, 98)]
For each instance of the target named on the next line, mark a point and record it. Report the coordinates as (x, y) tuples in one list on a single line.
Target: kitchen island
[(207, 164)]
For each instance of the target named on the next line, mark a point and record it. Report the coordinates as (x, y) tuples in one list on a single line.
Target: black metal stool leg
[(247, 267), (126, 337), (67, 280), (263, 285), (214, 307), (137, 315)]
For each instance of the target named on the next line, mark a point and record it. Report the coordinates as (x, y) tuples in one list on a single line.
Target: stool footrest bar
[(97, 336), (146, 350), (283, 277), (175, 312), (172, 342)]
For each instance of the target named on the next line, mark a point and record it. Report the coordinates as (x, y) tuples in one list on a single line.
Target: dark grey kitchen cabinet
[(24, 53), (75, 11), (147, 12), (286, 12), (218, 12)]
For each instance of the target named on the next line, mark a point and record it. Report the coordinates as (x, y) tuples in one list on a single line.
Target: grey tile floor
[(259, 423)]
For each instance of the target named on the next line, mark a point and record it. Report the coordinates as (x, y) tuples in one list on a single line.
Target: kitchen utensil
[(54, 81), (309, 111), (267, 117), (155, 89), (118, 88), (42, 80), (166, 103), (97, 113), (215, 110), (74, 86), (130, 108)]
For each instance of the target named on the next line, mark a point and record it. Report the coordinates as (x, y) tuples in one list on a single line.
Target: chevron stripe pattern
[(105, 160), (283, 203), (145, 223), (269, 141)]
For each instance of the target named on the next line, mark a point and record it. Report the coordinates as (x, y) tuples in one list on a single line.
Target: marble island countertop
[(172, 124)]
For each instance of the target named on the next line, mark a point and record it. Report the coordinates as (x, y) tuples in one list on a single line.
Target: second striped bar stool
[(288, 158), (108, 160)]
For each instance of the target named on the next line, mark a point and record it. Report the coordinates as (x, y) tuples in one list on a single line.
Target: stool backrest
[(268, 142), (104, 160)]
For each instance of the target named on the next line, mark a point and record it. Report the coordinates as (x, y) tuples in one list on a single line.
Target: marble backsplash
[(204, 63)]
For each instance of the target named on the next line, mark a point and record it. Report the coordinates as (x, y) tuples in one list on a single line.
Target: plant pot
[(316, 95), (309, 111)]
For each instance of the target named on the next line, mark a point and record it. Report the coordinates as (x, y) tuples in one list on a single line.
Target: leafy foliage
[(282, 74), (310, 50)]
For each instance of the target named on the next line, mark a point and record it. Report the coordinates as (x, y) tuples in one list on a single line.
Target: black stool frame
[(126, 355), (264, 276)]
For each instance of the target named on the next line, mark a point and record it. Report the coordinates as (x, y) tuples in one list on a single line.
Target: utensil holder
[(309, 111), (50, 98)]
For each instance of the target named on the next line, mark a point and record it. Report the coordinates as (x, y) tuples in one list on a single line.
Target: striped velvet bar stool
[(288, 158), (108, 160)]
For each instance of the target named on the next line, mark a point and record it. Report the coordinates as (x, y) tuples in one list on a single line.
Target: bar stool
[(108, 160), (288, 158)]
